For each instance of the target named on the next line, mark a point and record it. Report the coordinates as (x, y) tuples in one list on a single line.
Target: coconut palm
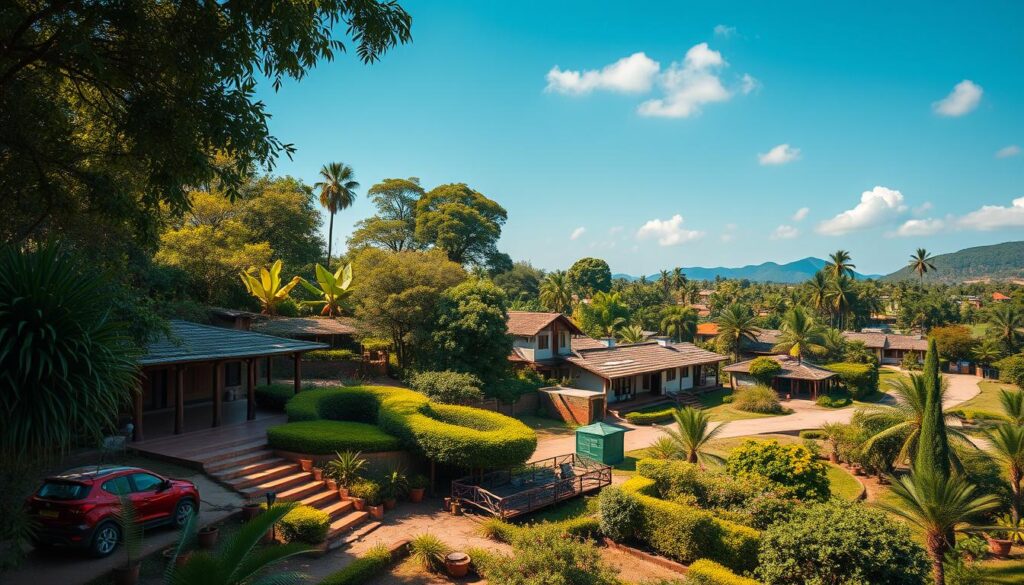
[(841, 298), (818, 290), (921, 262), (556, 292), (678, 279), (1006, 443), (679, 322), (1005, 321), (839, 264), (632, 334), (337, 192), (663, 279), (693, 435), (736, 324), (1012, 402), (800, 335), (987, 351), (937, 505), (607, 313), (267, 287), (904, 420)]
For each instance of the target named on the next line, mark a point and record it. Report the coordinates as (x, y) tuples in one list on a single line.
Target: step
[(238, 460), (347, 522), (337, 509), (219, 453), (280, 484), (299, 491), (247, 469), (358, 533), (321, 498), (265, 476)]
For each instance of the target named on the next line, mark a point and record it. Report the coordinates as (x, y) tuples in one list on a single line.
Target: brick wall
[(573, 409)]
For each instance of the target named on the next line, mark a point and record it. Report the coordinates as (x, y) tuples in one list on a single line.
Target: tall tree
[(800, 335), (842, 298), (521, 282), (736, 324), (337, 192), (678, 279), (394, 225), (666, 284), (1005, 322), (470, 331), (603, 316), (556, 293), (921, 262), (818, 291), (933, 446), (839, 264), (462, 222), (589, 276), (679, 322)]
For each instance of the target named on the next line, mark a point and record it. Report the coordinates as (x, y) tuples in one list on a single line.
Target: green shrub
[(793, 467), (429, 551), (448, 387), (705, 572), (328, 355), (640, 417), (761, 399), (728, 398), (362, 570), (621, 515), (274, 396), (860, 380), (544, 556), (1011, 369), (812, 434), (305, 524), (324, 437), (832, 401), (366, 489), (840, 542), (763, 369), (351, 403), (510, 388)]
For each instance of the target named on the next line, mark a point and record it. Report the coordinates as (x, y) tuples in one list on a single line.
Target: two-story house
[(542, 341)]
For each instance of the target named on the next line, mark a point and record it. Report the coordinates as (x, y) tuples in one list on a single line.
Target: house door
[(655, 383), (698, 376)]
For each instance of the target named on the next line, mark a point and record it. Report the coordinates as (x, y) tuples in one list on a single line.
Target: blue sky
[(895, 125)]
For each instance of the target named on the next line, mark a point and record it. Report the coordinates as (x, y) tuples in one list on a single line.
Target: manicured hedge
[(860, 380), (833, 401), (274, 396), (454, 435), (362, 570), (706, 572), (326, 437), (325, 355), (305, 524), (639, 417)]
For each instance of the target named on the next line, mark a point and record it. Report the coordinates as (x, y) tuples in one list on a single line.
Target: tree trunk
[(330, 240), (693, 456), (937, 549)]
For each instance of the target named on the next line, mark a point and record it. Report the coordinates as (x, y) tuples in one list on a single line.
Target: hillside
[(791, 272), (997, 262)]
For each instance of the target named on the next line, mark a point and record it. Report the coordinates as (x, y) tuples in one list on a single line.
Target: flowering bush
[(793, 467)]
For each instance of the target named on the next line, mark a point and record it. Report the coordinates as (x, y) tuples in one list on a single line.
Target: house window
[(686, 372), (623, 387), (542, 342), (670, 375), (563, 339), (233, 374)]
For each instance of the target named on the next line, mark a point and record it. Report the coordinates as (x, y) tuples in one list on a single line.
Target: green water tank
[(601, 442)]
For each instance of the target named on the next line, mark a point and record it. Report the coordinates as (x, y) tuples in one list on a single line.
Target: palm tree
[(1005, 321), (337, 192), (607, 313), (735, 324), (632, 334), (800, 335), (1007, 447), (666, 284), (921, 262), (987, 351), (679, 322), (937, 506), (556, 292), (1012, 402), (842, 297), (693, 434), (839, 264), (905, 418), (678, 278), (818, 290)]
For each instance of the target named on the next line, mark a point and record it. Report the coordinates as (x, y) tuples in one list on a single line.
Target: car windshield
[(63, 490)]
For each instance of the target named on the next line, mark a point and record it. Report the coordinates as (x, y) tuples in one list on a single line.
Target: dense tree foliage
[(470, 331), (394, 225), (522, 282), (462, 222), (588, 276)]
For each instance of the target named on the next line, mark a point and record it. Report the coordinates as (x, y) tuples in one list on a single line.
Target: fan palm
[(904, 420), (679, 322), (337, 192), (556, 292), (839, 264), (736, 324), (632, 334), (268, 289), (1006, 443), (921, 262), (938, 506), (239, 561), (693, 435), (1012, 402), (800, 335), (332, 291), (987, 351), (1005, 321)]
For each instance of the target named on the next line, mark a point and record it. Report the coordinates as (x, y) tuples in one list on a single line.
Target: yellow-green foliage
[(454, 435), (793, 467), (305, 524), (374, 562), (705, 572), (586, 527)]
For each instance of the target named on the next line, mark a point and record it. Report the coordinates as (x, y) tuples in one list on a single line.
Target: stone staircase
[(252, 470), (688, 399)]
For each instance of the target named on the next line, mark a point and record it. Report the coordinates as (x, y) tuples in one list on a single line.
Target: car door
[(152, 501)]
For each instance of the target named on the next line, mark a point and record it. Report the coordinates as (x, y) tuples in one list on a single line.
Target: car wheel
[(105, 539), (185, 509)]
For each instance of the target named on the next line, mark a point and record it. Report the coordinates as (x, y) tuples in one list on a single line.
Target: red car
[(79, 507)]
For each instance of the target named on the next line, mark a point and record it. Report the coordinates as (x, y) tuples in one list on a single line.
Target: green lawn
[(720, 411), (842, 483), (988, 400)]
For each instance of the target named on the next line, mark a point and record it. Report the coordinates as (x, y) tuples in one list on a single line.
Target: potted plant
[(131, 536), (999, 547), (359, 491), (369, 492), (207, 537), (318, 474), (418, 487), (394, 485), (251, 509), (346, 468), (331, 483), (457, 564), (306, 464)]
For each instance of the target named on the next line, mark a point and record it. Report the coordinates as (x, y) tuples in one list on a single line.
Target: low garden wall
[(525, 404), (377, 463)]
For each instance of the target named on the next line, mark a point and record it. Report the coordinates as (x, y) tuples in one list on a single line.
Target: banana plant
[(267, 287), (332, 291)]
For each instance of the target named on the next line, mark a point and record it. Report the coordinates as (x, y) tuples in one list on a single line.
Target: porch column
[(251, 409), (179, 399), (268, 370), (137, 434), (218, 393), (298, 371)]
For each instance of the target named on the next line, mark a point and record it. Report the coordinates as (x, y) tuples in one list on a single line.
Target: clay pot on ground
[(331, 484), (390, 503), (250, 510), (359, 504), (416, 494), (306, 464), (126, 575), (182, 558), (456, 508), (376, 512), (343, 492), (999, 547), (207, 537), (833, 458), (318, 474), (457, 564)]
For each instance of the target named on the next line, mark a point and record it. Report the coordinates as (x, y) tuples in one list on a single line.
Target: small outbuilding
[(601, 442)]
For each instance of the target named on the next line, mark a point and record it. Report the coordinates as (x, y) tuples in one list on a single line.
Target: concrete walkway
[(806, 415)]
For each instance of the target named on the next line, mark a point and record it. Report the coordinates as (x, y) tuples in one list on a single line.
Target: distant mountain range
[(997, 262)]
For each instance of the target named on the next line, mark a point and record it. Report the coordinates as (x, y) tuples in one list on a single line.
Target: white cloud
[(878, 206), (920, 227), (962, 100), (615, 229), (728, 233), (785, 232), (748, 83), (725, 31), (633, 74), (993, 217), (923, 208), (779, 155), (668, 232), (801, 213), (576, 233), (1008, 151), (689, 85)]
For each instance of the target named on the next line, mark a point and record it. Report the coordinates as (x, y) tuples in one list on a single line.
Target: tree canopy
[(588, 276), (462, 222), (394, 225)]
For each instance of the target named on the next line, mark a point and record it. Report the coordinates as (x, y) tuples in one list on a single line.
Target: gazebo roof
[(601, 429), (791, 369), (192, 342), (305, 326)]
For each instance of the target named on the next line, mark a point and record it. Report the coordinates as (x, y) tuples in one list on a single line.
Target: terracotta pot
[(126, 575), (250, 511), (457, 564), (390, 503), (331, 484), (999, 547), (456, 508), (376, 512), (318, 474), (343, 492), (416, 494), (306, 464), (858, 470), (182, 558), (359, 503), (833, 458), (207, 537)]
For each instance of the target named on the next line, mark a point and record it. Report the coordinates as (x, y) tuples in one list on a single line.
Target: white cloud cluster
[(749, 84), (779, 155), (785, 232), (1008, 151), (801, 213), (962, 100), (993, 217), (920, 227), (880, 205), (576, 233), (668, 232), (633, 74), (725, 31)]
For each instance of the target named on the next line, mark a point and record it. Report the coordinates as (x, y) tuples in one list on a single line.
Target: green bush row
[(759, 399), (833, 401), (274, 396), (362, 570), (586, 527), (326, 437), (305, 524), (706, 572), (328, 355), (651, 417), (860, 380), (813, 434)]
